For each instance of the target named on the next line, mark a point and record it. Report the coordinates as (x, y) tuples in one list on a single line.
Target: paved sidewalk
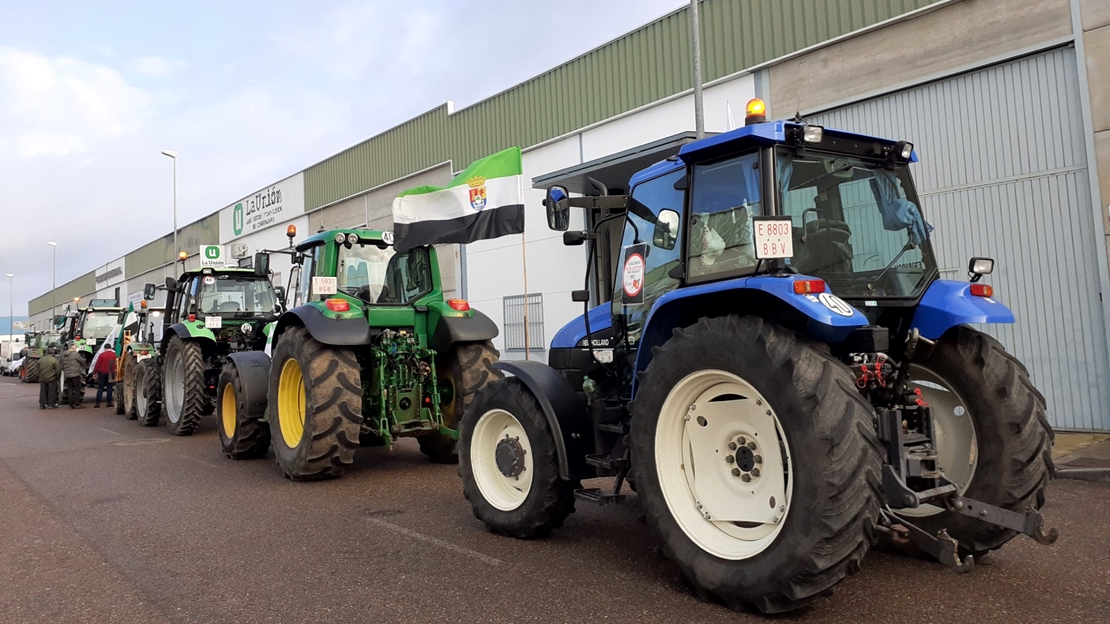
[(1084, 456)]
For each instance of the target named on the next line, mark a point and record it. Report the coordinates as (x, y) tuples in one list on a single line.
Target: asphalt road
[(106, 521)]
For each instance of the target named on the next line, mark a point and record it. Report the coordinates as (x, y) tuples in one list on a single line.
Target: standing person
[(104, 367), (49, 371), (73, 365)]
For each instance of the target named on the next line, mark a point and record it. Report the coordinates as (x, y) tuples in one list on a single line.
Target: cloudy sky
[(247, 91)]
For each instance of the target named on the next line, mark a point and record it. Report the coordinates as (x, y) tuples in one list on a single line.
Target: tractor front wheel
[(993, 439), (183, 386), (509, 465), (127, 396), (148, 393), (463, 371), (243, 435), (756, 463), (31, 372), (315, 406)]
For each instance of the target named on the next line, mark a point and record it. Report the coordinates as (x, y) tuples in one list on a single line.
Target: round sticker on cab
[(634, 275), (836, 304)]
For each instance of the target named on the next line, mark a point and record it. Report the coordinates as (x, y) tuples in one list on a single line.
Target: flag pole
[(527, 303)]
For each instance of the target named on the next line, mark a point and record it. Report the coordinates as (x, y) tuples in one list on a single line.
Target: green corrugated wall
[(79, 287), (644, 66)]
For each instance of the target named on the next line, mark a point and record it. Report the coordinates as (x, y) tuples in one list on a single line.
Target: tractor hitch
[(943, 547), (1030, 523)]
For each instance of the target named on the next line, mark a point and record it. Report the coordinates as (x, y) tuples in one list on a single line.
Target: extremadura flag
[(484, 201)]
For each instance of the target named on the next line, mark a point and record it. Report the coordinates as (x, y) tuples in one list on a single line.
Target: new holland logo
[(477, 186), (237, 219)]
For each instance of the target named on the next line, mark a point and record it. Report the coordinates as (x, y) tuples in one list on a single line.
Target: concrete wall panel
[(1097, 43), (925, 47), (1095, 13)]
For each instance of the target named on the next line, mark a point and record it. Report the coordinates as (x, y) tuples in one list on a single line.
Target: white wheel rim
[(744, 517), (503, 492), (140, 395), (957, 445), (175, 387)]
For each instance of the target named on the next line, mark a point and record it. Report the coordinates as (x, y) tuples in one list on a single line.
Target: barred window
[(514, 323)]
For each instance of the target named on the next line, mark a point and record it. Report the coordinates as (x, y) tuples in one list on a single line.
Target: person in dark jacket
[(49, 372), (73, 365), (104, 368)]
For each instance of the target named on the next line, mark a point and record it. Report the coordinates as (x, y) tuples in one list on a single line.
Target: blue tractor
[(773, 431)]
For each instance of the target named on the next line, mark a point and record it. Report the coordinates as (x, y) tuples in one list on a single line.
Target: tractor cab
[(92, 325)]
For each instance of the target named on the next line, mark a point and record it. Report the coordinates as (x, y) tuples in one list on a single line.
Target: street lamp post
[(11, 305), (173, 156), (54, 285)]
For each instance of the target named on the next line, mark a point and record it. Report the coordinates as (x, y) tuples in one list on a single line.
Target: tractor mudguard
[(342, 332), (823, 317), (566, 414), (452, 329), (254, 374), (189, 329), (947, 304)]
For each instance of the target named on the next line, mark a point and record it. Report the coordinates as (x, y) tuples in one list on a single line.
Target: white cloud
[(155, 66), (62, 105)]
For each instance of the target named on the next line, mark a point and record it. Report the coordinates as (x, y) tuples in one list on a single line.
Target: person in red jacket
[(104, 367)]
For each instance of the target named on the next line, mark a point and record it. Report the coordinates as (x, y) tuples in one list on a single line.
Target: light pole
[(54, 285), (173, 155), (11, 306)]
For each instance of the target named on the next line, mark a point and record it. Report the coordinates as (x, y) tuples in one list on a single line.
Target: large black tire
[(184, 362), (835, 472), (467, 368), (148, 393), (328, 406), (32, 371), (243, 435), (550, 499), (1014, 439)]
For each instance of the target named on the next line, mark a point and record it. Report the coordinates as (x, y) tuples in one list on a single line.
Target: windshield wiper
[(908, 246)]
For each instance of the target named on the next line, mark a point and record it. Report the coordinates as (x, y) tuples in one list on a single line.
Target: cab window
[(725, 195)]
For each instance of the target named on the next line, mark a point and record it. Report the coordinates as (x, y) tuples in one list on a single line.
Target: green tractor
[(36, 342), (211, 313), (134, 343), (372, 353), (88, 327)]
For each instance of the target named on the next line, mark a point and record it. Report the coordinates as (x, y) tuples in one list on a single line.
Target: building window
[(514, 323)]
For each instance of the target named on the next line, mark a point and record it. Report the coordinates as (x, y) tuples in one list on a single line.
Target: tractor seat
[(826, 249)]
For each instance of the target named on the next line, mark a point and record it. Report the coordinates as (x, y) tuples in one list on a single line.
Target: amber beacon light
[(755, 112)]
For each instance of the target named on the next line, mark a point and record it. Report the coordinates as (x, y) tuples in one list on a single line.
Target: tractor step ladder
[(598, 496), (607, 463), (614, 427)]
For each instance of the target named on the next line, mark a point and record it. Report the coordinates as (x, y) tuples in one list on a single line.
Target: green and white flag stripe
[(485, 201)]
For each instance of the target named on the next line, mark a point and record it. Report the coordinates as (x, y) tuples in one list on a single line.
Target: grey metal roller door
[(1004, 174)]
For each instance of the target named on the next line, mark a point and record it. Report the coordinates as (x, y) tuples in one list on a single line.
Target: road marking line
[(436, 542), (109, 431)]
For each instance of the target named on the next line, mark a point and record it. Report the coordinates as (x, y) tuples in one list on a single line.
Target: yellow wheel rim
[(291, 402), (228, 413)]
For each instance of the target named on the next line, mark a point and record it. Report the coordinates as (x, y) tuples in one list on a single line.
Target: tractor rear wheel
[(242, 435), (315, 406), (756, 463), (509, 465), (148, 393), (119, 398), (993, 439), (185, 396), (465, 369), (31, 372)]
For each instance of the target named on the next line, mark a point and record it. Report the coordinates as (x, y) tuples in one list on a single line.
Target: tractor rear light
[(462, 305), (809, 287), (338, 305), (982, 290), (192, 317)]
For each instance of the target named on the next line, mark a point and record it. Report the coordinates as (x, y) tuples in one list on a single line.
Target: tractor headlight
[(340, 237), (907, 151), (247, 328), (352, 238), (981, 266), (813, 134)]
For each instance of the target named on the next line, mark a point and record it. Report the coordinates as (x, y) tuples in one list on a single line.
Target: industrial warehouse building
[(1007, 102)]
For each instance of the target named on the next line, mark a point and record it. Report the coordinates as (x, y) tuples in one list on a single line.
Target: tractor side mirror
[(171, 284), (558, 208), (571, 239), (580, 296), (279, 292), (262, 263), (666, 226), (148, 292)]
